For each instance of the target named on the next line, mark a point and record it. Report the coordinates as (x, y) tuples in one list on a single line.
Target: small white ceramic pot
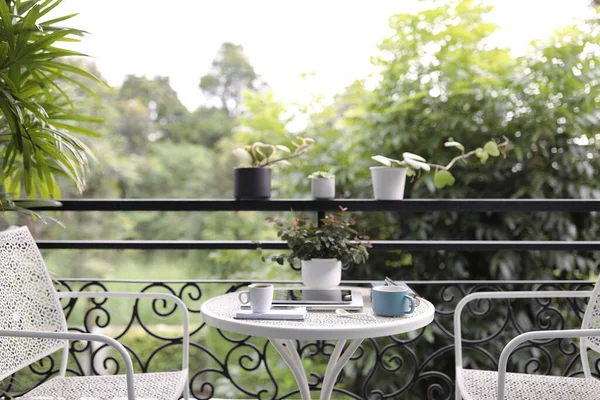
[(323, 188), (388, 183), (321, 273)]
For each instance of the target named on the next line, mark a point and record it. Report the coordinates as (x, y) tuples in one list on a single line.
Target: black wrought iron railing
[(320, 206), (419, 365)]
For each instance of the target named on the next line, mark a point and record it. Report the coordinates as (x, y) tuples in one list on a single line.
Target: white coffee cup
[(259, 295)]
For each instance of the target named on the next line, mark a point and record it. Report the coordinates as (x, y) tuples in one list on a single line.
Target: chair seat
[(156, 386), (482, 385)]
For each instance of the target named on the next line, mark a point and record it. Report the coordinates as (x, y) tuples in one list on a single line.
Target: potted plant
[(389, 180), (322, 250), (322, 185), (252, 179)]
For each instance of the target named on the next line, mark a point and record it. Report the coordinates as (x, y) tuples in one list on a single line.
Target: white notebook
[(293, 313)]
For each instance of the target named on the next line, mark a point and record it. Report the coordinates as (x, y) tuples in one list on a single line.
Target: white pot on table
[(388, 183), (321, 273), (323, 188)]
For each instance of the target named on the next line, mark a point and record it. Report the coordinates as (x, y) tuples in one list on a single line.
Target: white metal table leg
[(335, 365), (287, 350)]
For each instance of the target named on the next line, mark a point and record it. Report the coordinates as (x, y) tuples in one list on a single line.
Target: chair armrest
[(91, 337), (502, 296), (524, 337), (153, 296)]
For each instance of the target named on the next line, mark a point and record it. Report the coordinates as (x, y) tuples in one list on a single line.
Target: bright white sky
[(333, 38)]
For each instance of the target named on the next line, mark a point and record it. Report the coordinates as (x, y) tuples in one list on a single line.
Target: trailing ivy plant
[(38, 117), (266, 155), (414, 163), (335, 238)]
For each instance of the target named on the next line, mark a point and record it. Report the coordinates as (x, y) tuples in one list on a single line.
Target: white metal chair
[(33, 326), (483, 385)]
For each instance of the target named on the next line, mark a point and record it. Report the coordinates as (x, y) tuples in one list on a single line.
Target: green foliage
[(440, 80), (38, 116), (265, 155), (414, 163), (443, 178), (335, 238), (205, 126), (156, 94)]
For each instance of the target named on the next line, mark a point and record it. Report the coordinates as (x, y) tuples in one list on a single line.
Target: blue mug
[(392, 301)]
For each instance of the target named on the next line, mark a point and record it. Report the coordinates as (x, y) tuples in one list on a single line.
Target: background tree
[(440, 78), (231, 73)]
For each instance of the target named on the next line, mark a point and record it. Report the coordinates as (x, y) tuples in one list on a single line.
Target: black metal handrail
[(322, 206), (378, 245), (408, 205)]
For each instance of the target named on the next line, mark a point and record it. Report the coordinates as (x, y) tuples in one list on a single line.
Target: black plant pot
[(251, 183)]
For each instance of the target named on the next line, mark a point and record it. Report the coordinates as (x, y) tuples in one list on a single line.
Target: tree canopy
[(231, 73)]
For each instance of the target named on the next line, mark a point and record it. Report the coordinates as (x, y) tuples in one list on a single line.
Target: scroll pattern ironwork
[(419, 365)]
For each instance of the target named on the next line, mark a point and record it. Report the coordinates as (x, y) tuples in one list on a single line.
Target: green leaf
[(411, 156), (70, 68), (452, 143), (383, 160), (27, 28), (75, 129), (38, 203), (43, 43), (482, 155), (443, 178), (7, 28), (417, 164), (59, 19), (492, 148)]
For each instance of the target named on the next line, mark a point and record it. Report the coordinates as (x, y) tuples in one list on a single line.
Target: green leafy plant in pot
[(322, 249), (389, 179), (252, 179)]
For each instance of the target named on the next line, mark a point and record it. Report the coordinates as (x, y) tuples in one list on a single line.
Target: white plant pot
[(388, 183), (322, 273), (323, 188)]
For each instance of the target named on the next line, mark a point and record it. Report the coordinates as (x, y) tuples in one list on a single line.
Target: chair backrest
[(591, 318), (28, 301)]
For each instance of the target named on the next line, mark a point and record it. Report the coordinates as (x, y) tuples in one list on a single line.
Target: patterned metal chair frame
[(33, 326), (500, 385)]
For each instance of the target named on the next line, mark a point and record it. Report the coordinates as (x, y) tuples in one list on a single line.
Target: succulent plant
[(414, 163), (266, 155), (321, 174)]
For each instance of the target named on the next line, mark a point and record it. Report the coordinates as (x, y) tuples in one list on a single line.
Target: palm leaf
[(7, 25), (50, 22), (37, 115)]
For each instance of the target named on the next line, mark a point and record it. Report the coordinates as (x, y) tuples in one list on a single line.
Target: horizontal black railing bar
[(407, 205), (379, 245), (344, 282)]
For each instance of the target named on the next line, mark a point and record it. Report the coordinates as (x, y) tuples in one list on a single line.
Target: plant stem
[(464, 156), (284, 158)]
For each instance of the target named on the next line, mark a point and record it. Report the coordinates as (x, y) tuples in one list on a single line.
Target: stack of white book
[(286, 313)]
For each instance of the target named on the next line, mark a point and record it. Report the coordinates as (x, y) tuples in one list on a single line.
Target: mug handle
[(244, 297), (412, 303)]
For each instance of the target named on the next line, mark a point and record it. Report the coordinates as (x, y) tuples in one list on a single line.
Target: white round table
[(219, 312)]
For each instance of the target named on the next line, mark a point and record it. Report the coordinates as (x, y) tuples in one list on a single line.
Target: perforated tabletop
[(318, 325)]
